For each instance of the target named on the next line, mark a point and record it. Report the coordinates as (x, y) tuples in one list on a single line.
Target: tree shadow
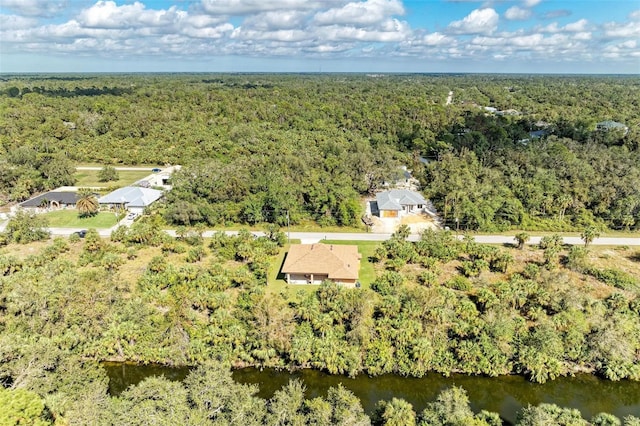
[(634, 257)]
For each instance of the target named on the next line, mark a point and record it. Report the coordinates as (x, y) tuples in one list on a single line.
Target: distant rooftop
[(62, 197), (396, 198)]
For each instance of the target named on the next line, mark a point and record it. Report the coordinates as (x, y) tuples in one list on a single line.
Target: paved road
[(313, 237), (142, 169)]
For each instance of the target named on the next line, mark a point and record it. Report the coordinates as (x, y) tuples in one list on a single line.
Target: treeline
[(209, 396), (549, 184), (311, 145)]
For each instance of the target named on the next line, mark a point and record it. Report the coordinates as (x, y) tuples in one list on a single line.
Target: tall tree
[(87, 203)]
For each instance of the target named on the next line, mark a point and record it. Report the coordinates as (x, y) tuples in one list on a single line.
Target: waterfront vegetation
[(435, 305), (303, 151)]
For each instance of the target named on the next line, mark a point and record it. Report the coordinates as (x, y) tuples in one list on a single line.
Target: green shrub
[(459, 283), (615, 278)]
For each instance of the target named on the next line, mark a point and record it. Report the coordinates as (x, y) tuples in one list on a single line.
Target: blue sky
[(521, 36)]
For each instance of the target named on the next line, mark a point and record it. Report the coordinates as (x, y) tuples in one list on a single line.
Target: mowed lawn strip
[(89, 178), (69, 219)]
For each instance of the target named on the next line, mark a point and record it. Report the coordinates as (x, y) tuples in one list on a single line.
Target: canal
[(505, 395)]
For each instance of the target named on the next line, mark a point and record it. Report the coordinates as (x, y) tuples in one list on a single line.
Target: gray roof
[(132, 196), (61, 197), (396, 198), (608, 124)]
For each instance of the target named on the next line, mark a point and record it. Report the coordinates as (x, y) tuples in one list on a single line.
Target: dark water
[(505, 395)]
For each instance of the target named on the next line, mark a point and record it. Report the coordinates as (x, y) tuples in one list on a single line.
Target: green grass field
[(69, 219), (89, 178)]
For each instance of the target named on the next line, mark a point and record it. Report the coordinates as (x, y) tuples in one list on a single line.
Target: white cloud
[(480, 21), (437, 39), (616, 30), (248, 7), (279, 35), (584, 35), (577, 26), (515, 13), (360, 13), (106, 14), (15, 22), (42, 8), (391, 30), (276, 20), (131, 29), (531, 3)]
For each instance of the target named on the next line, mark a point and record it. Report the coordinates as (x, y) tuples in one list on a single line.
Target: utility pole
[(288, 229)]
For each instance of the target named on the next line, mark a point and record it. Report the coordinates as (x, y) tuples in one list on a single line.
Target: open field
[(69, 219), (89, 178)]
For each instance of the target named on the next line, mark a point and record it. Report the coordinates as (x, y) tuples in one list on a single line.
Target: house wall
[(306, 279), (136, 210)]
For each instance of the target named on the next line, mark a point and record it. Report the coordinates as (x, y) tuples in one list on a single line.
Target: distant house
[(611, 125), (314, 263), (132, 198), (397, 202), (159, 178), (51, 200)]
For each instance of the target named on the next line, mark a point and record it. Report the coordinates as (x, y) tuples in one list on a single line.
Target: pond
[(505, 395)]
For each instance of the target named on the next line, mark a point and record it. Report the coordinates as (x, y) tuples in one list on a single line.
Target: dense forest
[(264, 148)]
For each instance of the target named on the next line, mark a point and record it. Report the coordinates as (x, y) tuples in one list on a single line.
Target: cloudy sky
[(527, 36)]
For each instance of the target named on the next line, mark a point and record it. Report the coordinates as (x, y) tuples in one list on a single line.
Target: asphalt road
[(142, 169), (313, 237)]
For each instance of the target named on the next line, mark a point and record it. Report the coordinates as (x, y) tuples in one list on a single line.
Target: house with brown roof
[(314, 263)]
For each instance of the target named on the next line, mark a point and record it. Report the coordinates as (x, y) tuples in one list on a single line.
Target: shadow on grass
[(280, 275)]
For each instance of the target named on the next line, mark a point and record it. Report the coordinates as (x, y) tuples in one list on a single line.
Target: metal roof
[(396, 198), (132, 196)]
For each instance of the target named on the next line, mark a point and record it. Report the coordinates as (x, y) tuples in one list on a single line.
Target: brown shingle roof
[(336, 261)]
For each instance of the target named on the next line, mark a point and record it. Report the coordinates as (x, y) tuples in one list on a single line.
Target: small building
[(314, 263), (611, 125), (160, 178), (397, 202), (132, 198), (51, 200)]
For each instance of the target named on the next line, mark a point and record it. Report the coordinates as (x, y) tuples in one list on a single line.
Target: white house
[(131, 198), (397, 202)]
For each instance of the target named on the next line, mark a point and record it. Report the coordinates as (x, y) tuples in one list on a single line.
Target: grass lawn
[(277, 283), (69, 219), (89, 178)]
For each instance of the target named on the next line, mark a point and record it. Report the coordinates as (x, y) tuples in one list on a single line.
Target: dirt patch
[(416, 222)]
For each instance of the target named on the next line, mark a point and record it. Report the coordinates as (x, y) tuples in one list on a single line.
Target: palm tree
[(589, 234), (522, 238), (87, 203)]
